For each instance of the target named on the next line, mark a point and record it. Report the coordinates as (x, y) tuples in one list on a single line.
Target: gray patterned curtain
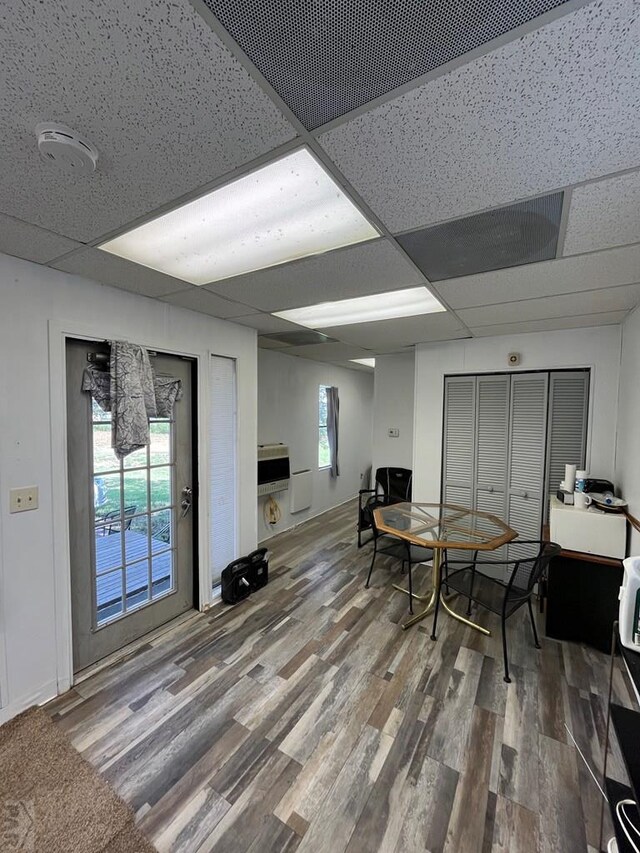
[(333, 419)]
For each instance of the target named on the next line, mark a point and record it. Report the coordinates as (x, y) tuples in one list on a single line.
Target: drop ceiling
[(539, 101)]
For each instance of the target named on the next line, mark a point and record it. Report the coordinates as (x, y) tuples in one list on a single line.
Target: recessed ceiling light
[(285, 210), (368, 362), (365, 309)]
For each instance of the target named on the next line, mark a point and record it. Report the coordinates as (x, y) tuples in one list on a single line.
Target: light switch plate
[(21, 500)]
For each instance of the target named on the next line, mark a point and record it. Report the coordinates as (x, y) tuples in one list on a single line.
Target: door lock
[(187, 500)]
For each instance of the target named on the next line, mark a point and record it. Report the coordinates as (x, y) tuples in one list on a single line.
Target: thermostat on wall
[(513, 359)]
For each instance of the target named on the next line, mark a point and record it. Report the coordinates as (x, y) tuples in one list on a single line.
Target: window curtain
[(333, 419)]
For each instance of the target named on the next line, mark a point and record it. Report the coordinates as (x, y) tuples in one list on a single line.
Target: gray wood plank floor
[(306, 719)]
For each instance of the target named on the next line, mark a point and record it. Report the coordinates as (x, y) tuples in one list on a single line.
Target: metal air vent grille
[(327, 57), (505, 237)]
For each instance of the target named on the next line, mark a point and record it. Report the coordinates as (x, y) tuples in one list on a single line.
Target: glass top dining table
[(441, 527)]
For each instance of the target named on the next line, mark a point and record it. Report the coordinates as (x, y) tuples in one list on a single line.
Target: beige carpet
[(52, 800)]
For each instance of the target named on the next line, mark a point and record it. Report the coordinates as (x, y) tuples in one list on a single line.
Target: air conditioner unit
[(273, 468)]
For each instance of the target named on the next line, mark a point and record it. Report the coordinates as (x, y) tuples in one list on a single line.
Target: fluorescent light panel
[(365, 309), (368, 362), (288, 209)]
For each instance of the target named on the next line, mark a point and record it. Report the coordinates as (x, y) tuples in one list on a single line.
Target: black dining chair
[(495, 595), (392, 546), (392, 485)]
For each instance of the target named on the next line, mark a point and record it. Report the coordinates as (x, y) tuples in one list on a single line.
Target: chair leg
[(473, 577), (504, 650), (410, 580), (373, 559), (533, 625)]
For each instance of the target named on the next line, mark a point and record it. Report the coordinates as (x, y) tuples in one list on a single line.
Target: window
[(324, 457)]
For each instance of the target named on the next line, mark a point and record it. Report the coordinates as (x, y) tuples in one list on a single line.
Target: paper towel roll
[(570, 477)]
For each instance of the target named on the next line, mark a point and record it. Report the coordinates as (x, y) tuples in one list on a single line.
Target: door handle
[(490, 490), (525, 495), (187, 500)]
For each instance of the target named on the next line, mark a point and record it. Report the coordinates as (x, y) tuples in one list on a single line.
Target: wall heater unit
[(301, 490), (273, 468)]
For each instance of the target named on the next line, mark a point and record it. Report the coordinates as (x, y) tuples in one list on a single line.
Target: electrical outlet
[(21, 500), (393, 432)]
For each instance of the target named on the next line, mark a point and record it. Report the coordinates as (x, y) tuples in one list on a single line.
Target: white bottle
[(629, 613)]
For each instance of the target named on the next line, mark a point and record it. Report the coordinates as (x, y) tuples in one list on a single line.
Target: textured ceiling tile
[(149, 84), (266, 323), (329, 352), (588, 302), (117, 272), (558, 106), (550, 278), (197, 299), (394, 334), (372, 267), (604, 214), (325, 59), (608, 318), (35, 244)]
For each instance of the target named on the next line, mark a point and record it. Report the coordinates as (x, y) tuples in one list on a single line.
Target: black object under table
[(582, 598)]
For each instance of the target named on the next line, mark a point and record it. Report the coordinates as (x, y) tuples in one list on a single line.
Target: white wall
[(628, 446), (288, 413), (36, 306), (393, 397), (597, 348)]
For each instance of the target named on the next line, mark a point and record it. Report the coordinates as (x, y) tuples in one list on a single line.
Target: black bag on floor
[(244, 576), (259, 574), (236, 581)]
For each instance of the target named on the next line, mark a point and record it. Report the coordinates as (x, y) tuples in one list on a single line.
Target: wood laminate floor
[(306, 719)]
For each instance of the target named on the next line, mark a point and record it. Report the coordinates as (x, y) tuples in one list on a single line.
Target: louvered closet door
[(567, 425), (492, 445), (528, 427), (459, 432)]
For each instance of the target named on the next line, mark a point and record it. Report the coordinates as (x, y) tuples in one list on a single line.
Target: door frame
[(58, 334)]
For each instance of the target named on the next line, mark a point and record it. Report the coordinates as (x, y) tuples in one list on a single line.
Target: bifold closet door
[(459, 440), (492, 448), (527, 449), (567, 425)]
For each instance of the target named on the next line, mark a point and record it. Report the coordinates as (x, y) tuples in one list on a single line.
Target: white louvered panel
[(525, 517), (492, 431), (459, 429), (495, 503), (528, 432), (458, 495), (568, 397), (222, 448)]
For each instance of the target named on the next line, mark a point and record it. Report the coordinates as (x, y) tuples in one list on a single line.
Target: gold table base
[(431, 601)]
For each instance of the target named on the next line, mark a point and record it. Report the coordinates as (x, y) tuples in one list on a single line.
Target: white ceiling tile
[(329, 352), (149, 84), (604, 214), (117, 272), (35, 244), (608, 318), (197, 299), (555, 107), (395, 334), (372, 267), (267, 323), (549, 278), (589, 302)]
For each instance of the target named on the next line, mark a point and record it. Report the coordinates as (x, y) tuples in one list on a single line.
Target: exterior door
[(131, 537)]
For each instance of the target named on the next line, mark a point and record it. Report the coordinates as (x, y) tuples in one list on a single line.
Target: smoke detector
[(64, 148)]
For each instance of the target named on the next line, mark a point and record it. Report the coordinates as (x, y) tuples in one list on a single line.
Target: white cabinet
[(590, 531)]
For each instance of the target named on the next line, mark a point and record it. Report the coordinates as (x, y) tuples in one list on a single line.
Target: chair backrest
[(395, 483), (530, 569)]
